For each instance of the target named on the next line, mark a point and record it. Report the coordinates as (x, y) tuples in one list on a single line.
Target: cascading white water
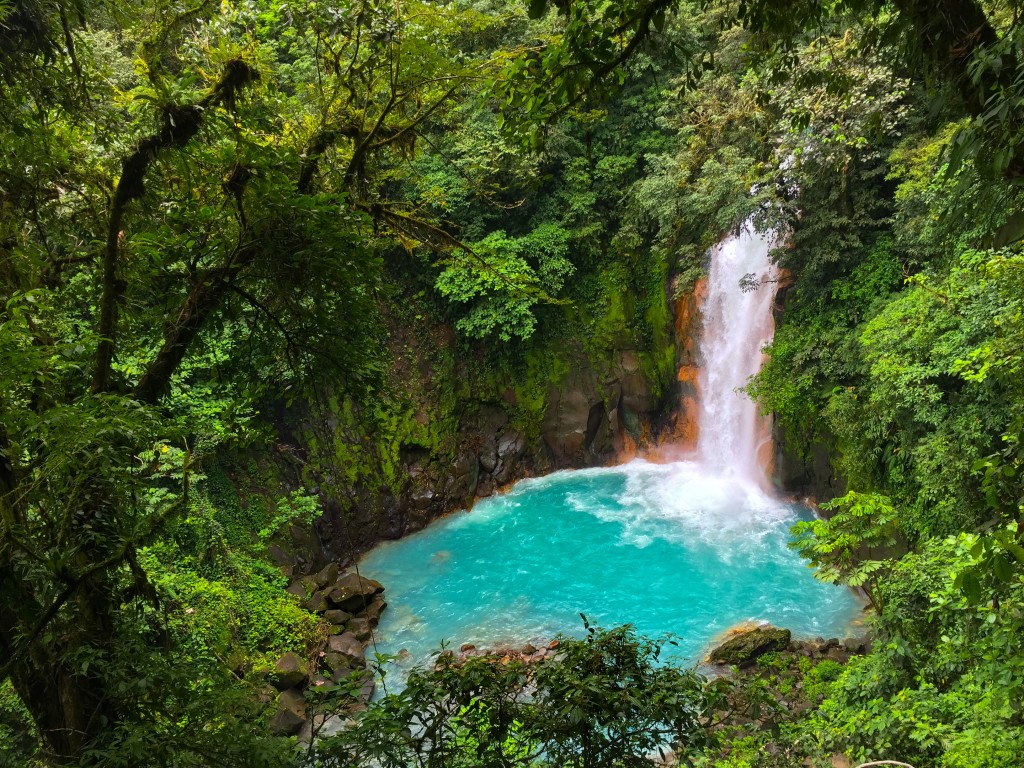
[(736, 325)]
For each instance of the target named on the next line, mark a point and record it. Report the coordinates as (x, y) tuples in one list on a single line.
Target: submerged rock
[(744, 649)]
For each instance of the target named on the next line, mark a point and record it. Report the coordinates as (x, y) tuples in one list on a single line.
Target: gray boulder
[(360, 629), (317, 602), (285, 723), (352, 593), (374, 610), (465, 473), (337, 662), (348, 647), (489, 454), (337, 616), (290, 715), (289, 671), (327, 576)]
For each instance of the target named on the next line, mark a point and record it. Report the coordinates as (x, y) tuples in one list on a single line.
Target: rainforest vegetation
[(228, 229)]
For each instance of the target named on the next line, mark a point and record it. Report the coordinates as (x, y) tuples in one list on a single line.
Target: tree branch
[(178, 126), (202, 300)]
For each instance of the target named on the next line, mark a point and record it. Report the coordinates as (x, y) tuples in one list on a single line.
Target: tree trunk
[(70, 706)]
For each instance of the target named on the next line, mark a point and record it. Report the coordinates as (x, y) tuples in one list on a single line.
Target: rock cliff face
[(595, 411), (462, 426), (590, 413), (688, 362), (804, 470)]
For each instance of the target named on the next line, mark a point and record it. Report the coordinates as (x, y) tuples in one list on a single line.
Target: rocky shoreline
[(740, 649), (742, 646), (528, 653), (315, 695), (352, 605)]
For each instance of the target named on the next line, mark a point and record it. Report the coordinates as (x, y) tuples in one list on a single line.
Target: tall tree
[(974, 49), (218, 201)]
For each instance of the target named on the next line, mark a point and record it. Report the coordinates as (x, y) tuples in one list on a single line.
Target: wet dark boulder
[(510, 449), (316, 602), (353, 593), (290, 715), (289, 671), (349, 649), (327, 576), (286, 723), (337, 616), (374, 610), (744, 649), (360, 628)]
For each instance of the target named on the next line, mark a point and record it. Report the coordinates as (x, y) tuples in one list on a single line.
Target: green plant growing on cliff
[(296, 507), (512, 276)]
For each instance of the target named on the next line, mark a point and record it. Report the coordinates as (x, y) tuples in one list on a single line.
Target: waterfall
[(702, 538), (737, 323)]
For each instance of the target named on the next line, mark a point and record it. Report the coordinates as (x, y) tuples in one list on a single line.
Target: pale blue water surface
[(669, 548)]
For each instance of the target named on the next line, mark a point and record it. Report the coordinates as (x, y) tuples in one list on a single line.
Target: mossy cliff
[(458, 421)]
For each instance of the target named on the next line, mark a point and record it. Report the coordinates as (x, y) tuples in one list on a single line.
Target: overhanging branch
[(179, 124)]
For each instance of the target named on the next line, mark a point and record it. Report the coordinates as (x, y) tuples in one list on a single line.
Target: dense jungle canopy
[(225, 225)]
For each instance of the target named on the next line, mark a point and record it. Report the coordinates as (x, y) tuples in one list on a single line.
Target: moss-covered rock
[(743, 649), (289, 671)]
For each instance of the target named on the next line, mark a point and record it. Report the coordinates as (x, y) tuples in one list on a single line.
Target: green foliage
[(192, 206), (944, 674), (818, 678), (19, 741), (602, 701), (240, 617), (580, 56), (202, 214), (845, 548), (512, 276), (297, 508)]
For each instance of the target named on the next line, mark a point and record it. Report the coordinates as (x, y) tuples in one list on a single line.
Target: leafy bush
[(510, 278), (602, 701)]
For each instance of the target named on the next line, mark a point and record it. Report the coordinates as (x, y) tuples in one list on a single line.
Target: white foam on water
[(686, 505)]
